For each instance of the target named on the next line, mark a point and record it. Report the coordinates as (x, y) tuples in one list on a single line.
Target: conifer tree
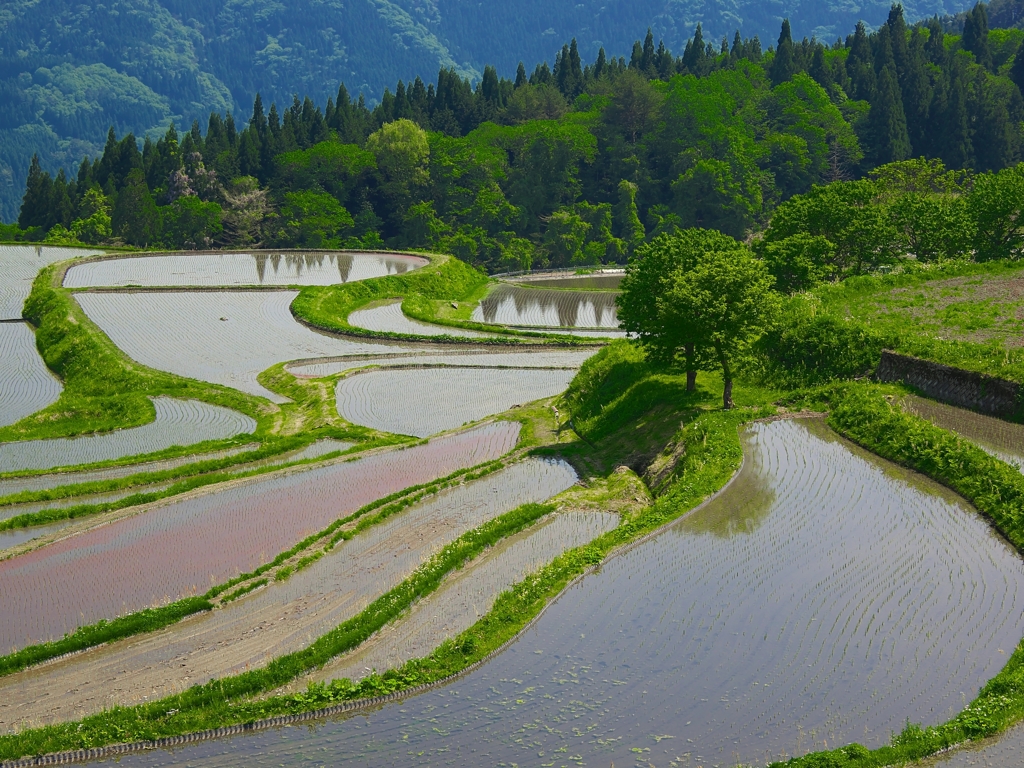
[(956, 148), (860, 65), (887, 123), (35, 205), (784, 66), (521, 79), (975, 38), (136, 219), (1017, 68), (693, 56)]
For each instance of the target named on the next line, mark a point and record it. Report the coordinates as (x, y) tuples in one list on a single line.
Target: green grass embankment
[(103, 388), (961, 314), (445, 280), (869, 415)]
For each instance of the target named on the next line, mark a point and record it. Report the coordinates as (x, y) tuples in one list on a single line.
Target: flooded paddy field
[(388, 318), (26, 384), (242, 269), (284, 616), (466, 596), (539, 358), (517, 306), (224, 338), (12, 485), (19, 265), (599, 281), (184, 546), (1003, 439), (178, 422), (826, 595), (19, 536), (425, 401)]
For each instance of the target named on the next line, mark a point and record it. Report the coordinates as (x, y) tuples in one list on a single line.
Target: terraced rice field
[(425, 401), (26, 385), (221, 337), (825, 596), (601, 281), (184, 546), (516, 306), (560, 358), (243, 269), (177, 422), (19, 265), (284, 616), (388, 317), (466, 596), (14, 485), (1000, 438)]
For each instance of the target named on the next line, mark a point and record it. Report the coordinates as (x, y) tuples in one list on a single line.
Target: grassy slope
[(926, 321), (103, 388)]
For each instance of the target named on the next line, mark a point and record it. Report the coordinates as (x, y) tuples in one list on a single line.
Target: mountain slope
[(69, 70)]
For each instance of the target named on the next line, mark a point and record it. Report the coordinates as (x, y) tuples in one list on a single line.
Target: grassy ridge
[(864, 414), (103, 388), (446, 279)]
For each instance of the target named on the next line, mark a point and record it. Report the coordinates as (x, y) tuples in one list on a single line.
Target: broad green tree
[(314, 220), (724, 304), (648, 279)]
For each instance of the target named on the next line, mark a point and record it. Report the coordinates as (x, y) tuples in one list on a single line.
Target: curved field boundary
[(80, 755), (177, 422)]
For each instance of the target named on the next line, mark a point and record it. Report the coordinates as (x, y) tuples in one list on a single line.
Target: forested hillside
[(70, 70), (579, 164)]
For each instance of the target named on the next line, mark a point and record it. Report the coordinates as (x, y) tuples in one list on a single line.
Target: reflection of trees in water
[(297, 263), (743, 506), (533, 307)]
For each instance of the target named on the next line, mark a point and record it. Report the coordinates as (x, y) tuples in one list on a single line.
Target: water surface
[(463, 358), (389, 318), (595, 282), (425, 401), (221, 337), (517, 306), (177, 422), (826, 597), (243, 269), (1003, 439), (19, 265), (26, 384)]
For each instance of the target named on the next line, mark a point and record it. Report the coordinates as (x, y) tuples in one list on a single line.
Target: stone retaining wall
[(966, 389)]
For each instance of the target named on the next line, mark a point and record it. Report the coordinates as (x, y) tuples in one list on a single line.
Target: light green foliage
[(402, 152), (95, 225), (191, 224), (649, 277), (330, 166), (722, 305), (996, 205), (313, 220)]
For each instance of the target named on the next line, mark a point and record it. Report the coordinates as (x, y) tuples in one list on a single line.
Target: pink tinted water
[(185, 547)]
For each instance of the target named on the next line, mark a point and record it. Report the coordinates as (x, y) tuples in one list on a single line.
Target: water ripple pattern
[(558, 358), (19, 265), (221, 337), (513, 305), (242, 269), (389, 318), (177, 422), (423, 402), (281, 618), (827, 595), (26, 384), (1002, 751), (1002, 439), (183, 547), (466, 596), (601, 281)]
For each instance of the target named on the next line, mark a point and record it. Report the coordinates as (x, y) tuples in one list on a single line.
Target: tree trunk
[(691, 381), (691, 368), (727, 402)]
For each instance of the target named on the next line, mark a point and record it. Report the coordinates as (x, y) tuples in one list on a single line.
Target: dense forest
[(579, 164), (69, 70)]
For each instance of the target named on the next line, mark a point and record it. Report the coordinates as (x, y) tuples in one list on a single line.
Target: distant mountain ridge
[(69, 70)]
